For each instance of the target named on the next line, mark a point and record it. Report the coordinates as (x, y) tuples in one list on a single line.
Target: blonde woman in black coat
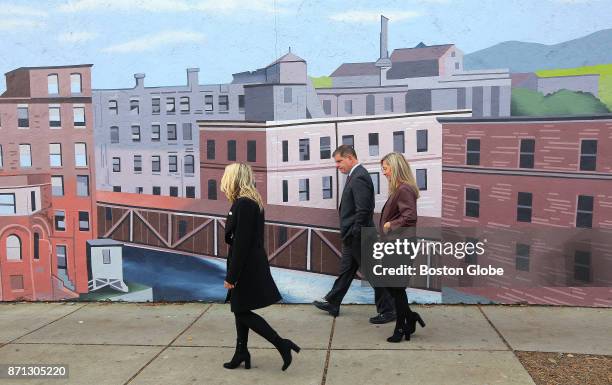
[(249, 281)]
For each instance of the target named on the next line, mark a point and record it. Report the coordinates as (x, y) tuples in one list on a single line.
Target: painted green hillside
[(321, 82), (605, 78)]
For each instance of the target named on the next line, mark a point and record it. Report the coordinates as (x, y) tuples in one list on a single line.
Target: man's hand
[(228, 285)]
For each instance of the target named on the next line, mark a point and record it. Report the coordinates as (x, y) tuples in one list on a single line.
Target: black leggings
[(249, 320), (402, 310)]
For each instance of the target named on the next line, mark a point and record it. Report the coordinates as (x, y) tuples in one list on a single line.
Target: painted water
[(162, 276)]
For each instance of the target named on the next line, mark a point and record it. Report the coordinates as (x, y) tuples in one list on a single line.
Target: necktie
[(348, 179)]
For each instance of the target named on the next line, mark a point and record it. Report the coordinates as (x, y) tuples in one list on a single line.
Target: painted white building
[(302, 173), (421, 78), (105, 264), (299, 169)]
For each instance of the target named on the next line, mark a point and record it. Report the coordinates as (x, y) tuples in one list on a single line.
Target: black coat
[(356, 208), (247, 262)]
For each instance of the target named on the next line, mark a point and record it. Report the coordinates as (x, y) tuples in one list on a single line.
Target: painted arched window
[(36, 246), (76, 86), (52, 84), (13, 248)]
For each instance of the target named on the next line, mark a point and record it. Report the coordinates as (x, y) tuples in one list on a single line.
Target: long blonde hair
[(400, 173), (238, 182)]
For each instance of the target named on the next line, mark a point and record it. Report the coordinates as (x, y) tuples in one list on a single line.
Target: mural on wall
[(109, 188)]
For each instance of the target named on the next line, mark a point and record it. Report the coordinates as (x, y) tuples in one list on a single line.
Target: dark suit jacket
[(400, 209), (356, 206), (247, 262)]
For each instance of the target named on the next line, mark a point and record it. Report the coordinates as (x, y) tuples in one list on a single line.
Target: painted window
[(76, 83), (52, 84), (55, 154), (472, 202), (13, 248), (327, 187)]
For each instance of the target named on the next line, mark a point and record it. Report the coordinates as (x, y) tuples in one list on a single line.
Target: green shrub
[(527, 102)]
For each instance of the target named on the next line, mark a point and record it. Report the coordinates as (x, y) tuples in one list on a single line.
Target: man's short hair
[(344, 151)]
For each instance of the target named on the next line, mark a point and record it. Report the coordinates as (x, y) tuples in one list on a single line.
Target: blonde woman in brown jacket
[(400, 210)]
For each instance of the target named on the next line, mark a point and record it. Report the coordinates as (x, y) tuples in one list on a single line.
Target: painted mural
[(118, 118)]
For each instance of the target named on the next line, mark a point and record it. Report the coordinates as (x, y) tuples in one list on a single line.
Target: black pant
[(249, 320), (348, 268), (401, 305)]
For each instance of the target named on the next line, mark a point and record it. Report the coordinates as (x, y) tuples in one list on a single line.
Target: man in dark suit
[(356, 211)]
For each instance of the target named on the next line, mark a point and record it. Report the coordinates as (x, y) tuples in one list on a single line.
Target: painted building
[(105, 265), (548, 85), (280, 91), (540, 191), (146, 137), (231, 142), (423, 78), (47, 195), (293, 161)]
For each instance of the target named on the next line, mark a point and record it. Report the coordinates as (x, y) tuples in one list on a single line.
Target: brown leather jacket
[(400, 209)]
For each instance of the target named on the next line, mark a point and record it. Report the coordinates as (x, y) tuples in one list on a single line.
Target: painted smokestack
[(383, 60), (192, 78), (384, 53), (139, 80)]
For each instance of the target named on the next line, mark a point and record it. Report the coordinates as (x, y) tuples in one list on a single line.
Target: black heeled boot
[(284, 347), (413, 318), (240, 355), (401, 329)]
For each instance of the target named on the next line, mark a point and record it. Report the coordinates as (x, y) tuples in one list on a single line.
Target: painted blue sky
[(163, 37)]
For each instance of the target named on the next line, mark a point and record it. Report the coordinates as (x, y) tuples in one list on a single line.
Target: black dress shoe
[(383, 318), (332, 309)]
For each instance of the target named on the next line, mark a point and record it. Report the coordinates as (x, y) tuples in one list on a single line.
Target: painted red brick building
[(226, 145), (539, 190), (47, 199)]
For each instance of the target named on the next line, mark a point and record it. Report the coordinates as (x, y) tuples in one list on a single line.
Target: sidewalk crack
[(329, 345), (43, 326), (496, 330), (168, 345), (514, 352)]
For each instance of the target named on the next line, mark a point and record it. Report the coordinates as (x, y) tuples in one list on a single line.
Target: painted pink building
[(47, 202), (540, 191)]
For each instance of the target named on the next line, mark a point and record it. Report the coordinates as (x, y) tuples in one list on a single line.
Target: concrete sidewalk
[(122, 343)]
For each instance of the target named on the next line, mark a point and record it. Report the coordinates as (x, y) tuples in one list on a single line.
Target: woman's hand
[(228, 285), (386, 227)]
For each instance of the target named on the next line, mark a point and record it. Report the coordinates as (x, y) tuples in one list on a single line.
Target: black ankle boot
[(413, 318), (401, 329), (398, 334), (241, 355), (285, 347)]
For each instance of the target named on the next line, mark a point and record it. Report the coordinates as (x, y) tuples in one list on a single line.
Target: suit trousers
[(349, 265)]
